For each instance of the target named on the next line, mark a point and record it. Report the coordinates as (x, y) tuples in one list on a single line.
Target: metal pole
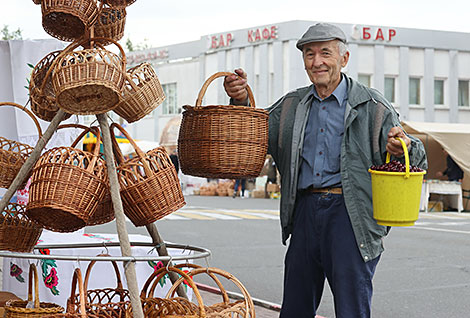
[(33, 158), (129, 267)]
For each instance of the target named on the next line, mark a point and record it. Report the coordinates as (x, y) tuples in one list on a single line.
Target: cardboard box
[(273, 187), (258, 194), (435, 206)]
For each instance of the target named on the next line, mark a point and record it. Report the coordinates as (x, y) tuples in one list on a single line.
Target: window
[(415, 91), (169, 105), (438, 92), (389, 89), (463, 93), (364, 79)]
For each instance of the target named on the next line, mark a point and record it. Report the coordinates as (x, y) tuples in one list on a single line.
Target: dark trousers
[(239, 182), (323, 246)]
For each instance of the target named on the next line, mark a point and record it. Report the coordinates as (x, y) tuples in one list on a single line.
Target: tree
[(137, 47), (13, 35)]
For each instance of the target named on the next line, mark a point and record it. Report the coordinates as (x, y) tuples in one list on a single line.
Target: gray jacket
[(368, 118)]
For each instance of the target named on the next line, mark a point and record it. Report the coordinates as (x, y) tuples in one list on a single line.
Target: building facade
[(425, 74)]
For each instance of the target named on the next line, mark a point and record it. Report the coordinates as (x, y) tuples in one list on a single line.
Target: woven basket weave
[(37, 1), (118, 3), (142, 93), (13, 154), (41, 92), (227, 142), (17, 308), (89, 81), (67, 185), (17, 232), (110, 23), (68, 20), (150, 188)]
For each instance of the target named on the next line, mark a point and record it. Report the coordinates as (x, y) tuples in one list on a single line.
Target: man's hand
[(235, 86), (393, 145)]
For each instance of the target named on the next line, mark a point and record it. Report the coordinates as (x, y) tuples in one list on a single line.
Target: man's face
[(323, 63)]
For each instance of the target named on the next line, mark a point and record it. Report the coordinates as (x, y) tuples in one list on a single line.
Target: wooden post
[(129, 267), (32, 159)]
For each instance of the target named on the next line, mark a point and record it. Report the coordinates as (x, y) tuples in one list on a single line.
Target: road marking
[(439, 230), (201, 213), (197, 216)]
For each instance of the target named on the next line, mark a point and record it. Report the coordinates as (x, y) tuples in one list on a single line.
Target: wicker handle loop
[(116, 271), (158, 275), (33, 275), (27, 111), (213, 77), (138, 151), (77, 278)]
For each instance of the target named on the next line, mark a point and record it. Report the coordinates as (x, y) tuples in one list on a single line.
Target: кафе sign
[(253, 35)]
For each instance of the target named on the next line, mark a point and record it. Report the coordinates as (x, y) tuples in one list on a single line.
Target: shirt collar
[(340, 93)]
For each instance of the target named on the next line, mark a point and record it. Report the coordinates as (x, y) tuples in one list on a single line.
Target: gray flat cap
[(321, 32)]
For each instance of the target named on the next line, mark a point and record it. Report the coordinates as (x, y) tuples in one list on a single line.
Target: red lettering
[(229, 38), (365, 33), (274, 32), (379, 35), (257, 35), (250, 36), (221, 41), (266, 34), (391, 34), (213, 42)]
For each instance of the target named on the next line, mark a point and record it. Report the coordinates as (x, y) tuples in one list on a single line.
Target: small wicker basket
[(150, 188), (17, 232), (142, 93), (227, 142), (67, 185), (110, 23), (89, 81), (68, 20), (19, 308), (37, 1), (13, 154), (118, 3)]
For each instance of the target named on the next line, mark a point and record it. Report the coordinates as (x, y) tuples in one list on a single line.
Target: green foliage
[(6, 34), (137, 47)]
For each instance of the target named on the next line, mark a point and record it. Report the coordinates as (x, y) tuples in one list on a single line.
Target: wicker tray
[(17, 308), (17, 232), (67, 185), (13, 154), (227, 142), (150, 188)]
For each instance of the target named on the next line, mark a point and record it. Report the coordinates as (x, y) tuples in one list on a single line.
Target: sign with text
[(375, 34)]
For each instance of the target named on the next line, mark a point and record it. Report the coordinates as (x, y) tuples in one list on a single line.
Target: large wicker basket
[(66, 187), (89, 81), (110, 23), (41, 92), (17, 232), (68, 20), (19, 308), (150, 188), (223, 141), (142, 93), (13, 154)]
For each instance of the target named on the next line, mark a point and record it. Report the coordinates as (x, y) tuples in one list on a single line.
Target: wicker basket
[(110, 23), (118, 3), (37, 1), (68, 20), (17, 232), (89, 81), (150, 188), (66, 187), (13, 154), (142, 93), (103, 302), (18, 308), (41, 92), (227, 142)]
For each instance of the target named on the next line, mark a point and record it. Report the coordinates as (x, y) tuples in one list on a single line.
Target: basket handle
[(77, 278), (407, 157), (213, 77), (86, 129), (138, 151), (33, 274), (27, 111), (158, 275), (116, 271)]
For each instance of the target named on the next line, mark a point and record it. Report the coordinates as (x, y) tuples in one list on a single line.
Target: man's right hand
[(235, 87)]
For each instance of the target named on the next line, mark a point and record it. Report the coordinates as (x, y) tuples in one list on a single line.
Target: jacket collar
[(357, 93)]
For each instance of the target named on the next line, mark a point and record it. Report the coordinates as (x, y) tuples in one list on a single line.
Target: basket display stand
[(125, 245)]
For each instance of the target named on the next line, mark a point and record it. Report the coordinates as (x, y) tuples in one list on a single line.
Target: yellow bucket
[(396, 195)]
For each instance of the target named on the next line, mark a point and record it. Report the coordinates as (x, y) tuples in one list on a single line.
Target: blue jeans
[(323, 246), (237, 184)]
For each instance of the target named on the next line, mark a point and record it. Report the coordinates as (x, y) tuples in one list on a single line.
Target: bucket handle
[(407, 158)]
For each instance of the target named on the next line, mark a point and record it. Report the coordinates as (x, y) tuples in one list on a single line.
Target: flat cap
[(321, 32)]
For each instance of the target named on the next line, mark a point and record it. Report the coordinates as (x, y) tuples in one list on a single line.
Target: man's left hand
[(393, 145)]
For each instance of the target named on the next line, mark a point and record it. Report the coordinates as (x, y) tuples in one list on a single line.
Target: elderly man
[(323, 139)]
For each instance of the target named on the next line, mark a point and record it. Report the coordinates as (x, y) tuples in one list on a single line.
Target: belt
[(333, 190)]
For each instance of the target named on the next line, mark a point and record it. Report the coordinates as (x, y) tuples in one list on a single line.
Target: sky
[(159, 23)]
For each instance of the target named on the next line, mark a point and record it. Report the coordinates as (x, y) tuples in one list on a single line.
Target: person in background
[(453, 171), (323, 139), (174, 160), (239, 183)]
